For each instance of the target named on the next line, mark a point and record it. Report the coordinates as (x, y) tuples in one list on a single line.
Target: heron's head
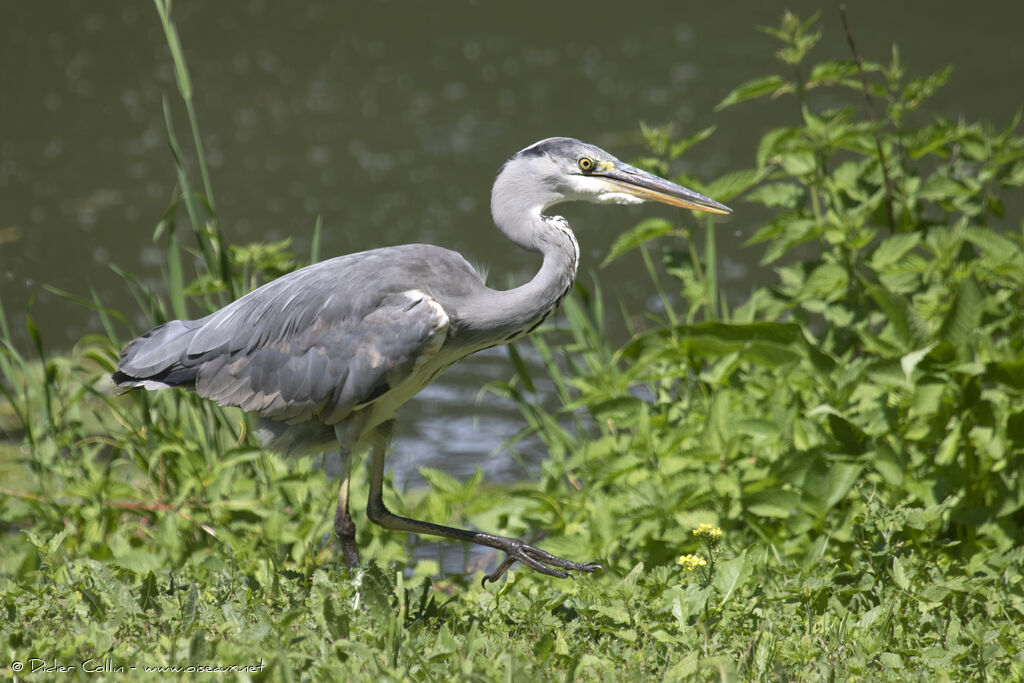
[(565, 169)]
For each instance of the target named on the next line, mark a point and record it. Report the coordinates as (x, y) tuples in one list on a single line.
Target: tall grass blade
[(711, 269)]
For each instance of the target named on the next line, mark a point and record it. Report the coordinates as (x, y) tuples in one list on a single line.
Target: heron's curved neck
[(504, 315)]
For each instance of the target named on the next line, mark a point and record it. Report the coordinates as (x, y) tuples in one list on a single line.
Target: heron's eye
[(586, 164)]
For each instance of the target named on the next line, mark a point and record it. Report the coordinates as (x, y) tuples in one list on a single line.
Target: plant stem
[(890, 214)]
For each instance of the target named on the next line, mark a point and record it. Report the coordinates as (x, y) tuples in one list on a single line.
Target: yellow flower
[(691, 562), (708, 531)]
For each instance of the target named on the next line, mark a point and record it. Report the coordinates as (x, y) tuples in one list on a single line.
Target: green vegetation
[(855, 430)]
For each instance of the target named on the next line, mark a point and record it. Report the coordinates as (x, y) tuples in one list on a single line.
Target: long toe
[(539, 561)]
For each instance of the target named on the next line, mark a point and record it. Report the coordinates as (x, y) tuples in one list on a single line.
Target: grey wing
[(298, 362)]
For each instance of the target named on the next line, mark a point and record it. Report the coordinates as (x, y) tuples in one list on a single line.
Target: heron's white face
[(598, 190), (575, 170)]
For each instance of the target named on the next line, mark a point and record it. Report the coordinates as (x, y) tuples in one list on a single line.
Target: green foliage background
[(856, 430)]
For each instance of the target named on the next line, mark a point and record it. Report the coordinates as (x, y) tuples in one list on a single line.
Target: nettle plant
[(886, 363)]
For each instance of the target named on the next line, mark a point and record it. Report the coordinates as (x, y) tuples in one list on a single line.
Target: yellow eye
[(586, 164)]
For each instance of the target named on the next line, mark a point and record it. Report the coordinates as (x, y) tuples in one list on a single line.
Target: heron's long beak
[(630, 180)]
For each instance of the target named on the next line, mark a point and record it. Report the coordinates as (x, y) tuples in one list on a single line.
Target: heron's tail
[(159, 359)]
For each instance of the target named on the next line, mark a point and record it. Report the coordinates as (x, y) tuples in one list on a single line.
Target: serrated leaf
[(730, 185), (56, 541), (784, 195), (799, 163), (189, 609), (893, 248), (837, 70), (964, 316), (775, 142), (905, 321), (756, 87), (679, 147), (768, 343), (910, 361)]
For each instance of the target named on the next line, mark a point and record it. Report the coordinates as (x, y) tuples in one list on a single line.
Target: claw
[(537, 560)]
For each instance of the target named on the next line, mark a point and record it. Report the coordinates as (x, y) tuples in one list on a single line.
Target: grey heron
[(328, 353)]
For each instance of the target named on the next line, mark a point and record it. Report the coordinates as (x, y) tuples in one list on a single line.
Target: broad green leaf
[(799, 163), (784, 195), (731, 575), (776, 503), (893, 248), (841, 478)]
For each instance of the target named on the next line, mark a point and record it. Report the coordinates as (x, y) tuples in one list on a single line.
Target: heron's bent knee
[(376, 512)]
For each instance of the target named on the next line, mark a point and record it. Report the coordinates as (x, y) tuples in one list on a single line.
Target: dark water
[(388, 120)]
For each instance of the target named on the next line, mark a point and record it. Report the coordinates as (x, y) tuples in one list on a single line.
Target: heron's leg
[(344, 528), (515, 549)]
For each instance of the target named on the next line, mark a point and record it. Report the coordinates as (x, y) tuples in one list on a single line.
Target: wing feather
[(314, 344), (327, 367)]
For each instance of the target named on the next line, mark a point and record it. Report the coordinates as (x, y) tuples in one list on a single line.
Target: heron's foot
[(536, 559)]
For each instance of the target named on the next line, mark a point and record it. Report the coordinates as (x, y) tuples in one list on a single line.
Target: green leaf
[(440, 481), (770, 344), (893, 248), (852, 439), (908, 326), (899, 573), (190, 609), (679, 147), (733, 184), (731, 575), (784, 195), (776, 142), (799, 163), (148, 592), (756, 87), (964, 317), (56, 541), (643, 232), (776, 503), (911, 360), (835, 71)]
